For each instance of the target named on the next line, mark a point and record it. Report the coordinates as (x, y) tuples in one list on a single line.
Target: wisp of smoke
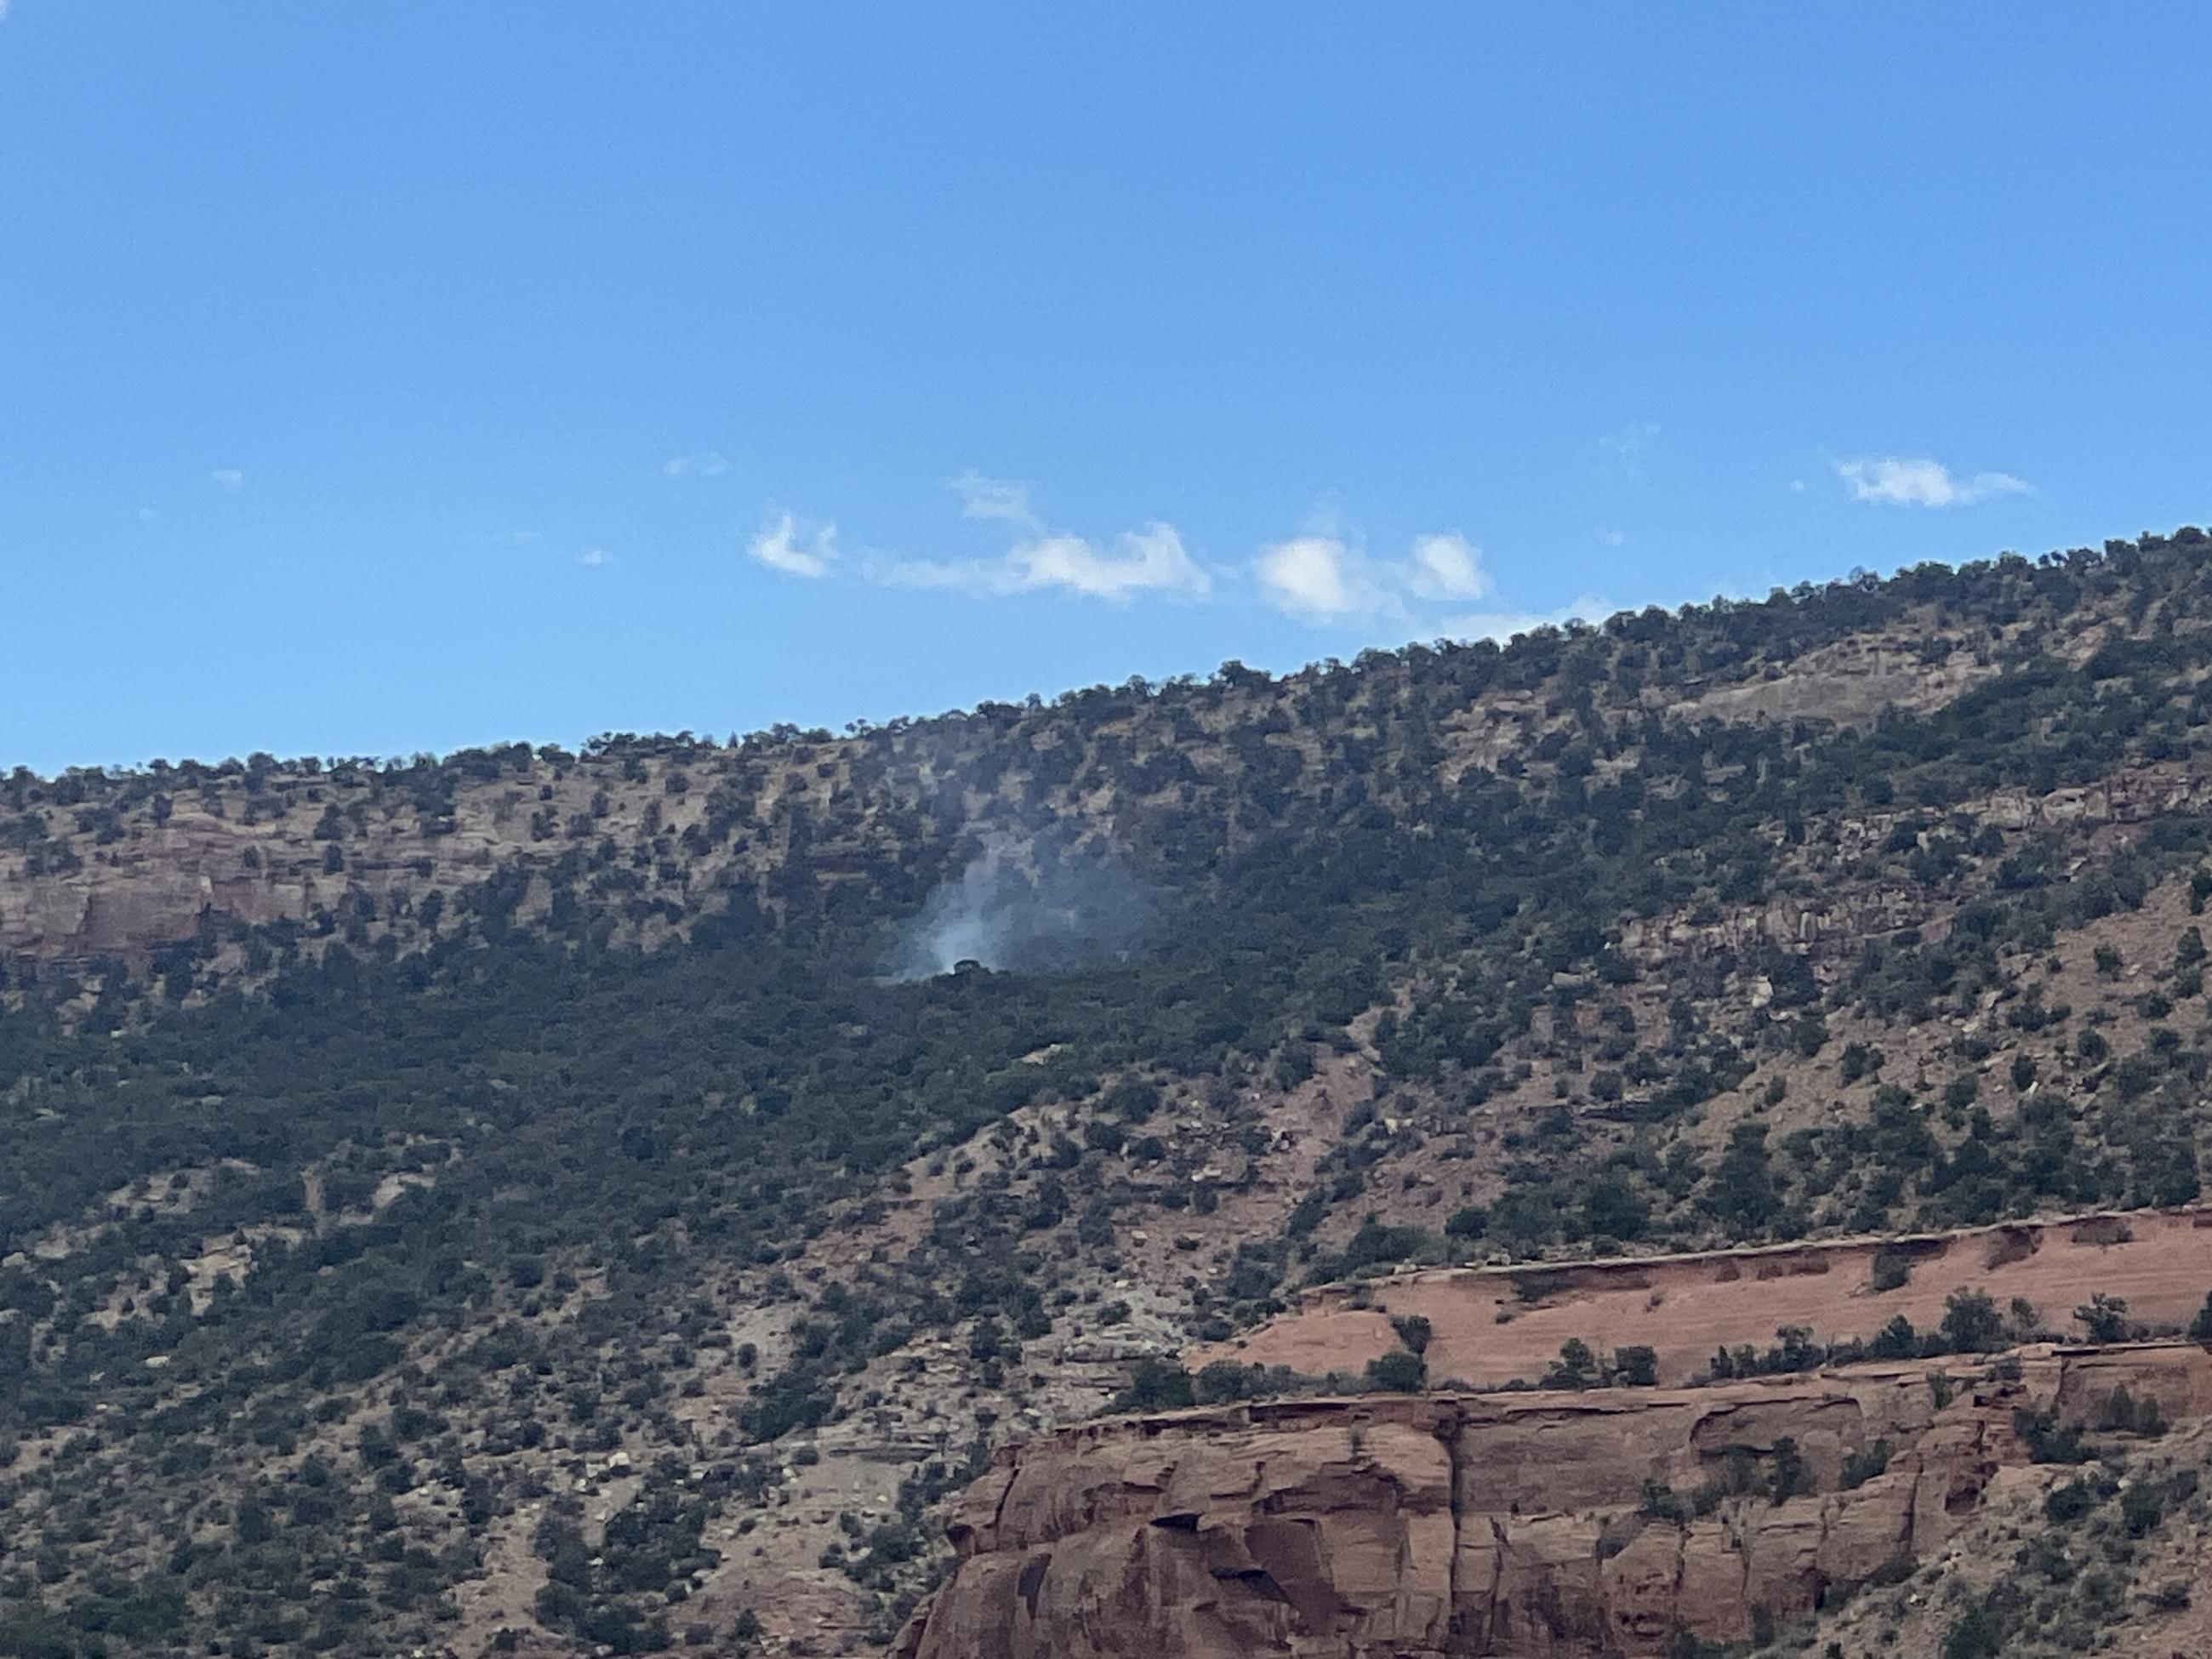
[(1025, 904)]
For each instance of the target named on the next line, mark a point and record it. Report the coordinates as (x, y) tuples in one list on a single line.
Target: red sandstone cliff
[(1449, 1527)]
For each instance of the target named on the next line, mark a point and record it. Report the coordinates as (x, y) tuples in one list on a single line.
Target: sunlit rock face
[(1438, 1526)]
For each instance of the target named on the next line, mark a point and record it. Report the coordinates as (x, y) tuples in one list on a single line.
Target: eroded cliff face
[(1450, 1527)]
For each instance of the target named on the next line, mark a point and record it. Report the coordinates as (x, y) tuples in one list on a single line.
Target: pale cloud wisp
[(994, 498), (1152, 560), (1324, 576), (1448, 567), (711, 464), (779, 545), (1917, 481)]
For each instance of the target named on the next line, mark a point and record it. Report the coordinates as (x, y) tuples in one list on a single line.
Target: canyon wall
[(1446, 1527)]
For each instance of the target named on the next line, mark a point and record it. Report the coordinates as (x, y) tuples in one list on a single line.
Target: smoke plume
[(1028, 904)]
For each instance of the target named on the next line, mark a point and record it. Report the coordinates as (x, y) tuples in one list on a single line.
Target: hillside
[(536, 1201)]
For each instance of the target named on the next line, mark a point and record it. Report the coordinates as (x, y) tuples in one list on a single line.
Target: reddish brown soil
[(1494, 1325)]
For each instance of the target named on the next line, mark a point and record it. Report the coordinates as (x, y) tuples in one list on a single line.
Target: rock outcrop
[(1445, 1527), (1491, 1325)]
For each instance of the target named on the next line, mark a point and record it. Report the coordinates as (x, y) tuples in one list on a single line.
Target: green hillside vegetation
[(326, 1241)]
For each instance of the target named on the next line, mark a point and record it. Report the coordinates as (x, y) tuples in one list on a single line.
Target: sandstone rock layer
[(1446, 1526), (1494, 1325)]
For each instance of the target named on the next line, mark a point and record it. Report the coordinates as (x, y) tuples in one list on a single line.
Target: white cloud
[(1605, 535), (1324, 577), (711, 464), (1448, 567), (515, 538), (994, 498), (1320, 578), (592, 558), (1631, 443), (146, 515), (1916, 480), (778, 545), (228, 477), (1797, 486), (1152, 560), (1504, 624)]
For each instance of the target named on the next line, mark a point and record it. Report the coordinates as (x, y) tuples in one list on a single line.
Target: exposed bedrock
[(1422, 1527)]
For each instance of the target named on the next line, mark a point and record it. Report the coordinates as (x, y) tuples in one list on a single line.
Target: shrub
[(1972, 1323), (2105, 1318), (1892, 1271), (1414, 1331), (2048, 1441), (1860, 1060), (1896, 1339), (1156, 1385), (2143, 1506), (1661, 1502), (1789, 1475), (1225, 1380), (1861, 1467), (1635, 1366), (1975, 1635), (2066, 1504), (1374, 1244), (1575, 1368), (2118, 1416), (1399, 1371), (2200, 1327)]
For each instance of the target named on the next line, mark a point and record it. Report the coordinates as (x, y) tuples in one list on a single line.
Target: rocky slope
[(550, 1200), (645, 835), (1526, 1525)]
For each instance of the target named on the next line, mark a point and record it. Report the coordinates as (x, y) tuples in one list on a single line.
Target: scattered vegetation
[(460, 1176)]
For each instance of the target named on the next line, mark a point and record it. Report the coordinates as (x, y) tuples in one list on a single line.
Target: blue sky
[(397, 376)]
